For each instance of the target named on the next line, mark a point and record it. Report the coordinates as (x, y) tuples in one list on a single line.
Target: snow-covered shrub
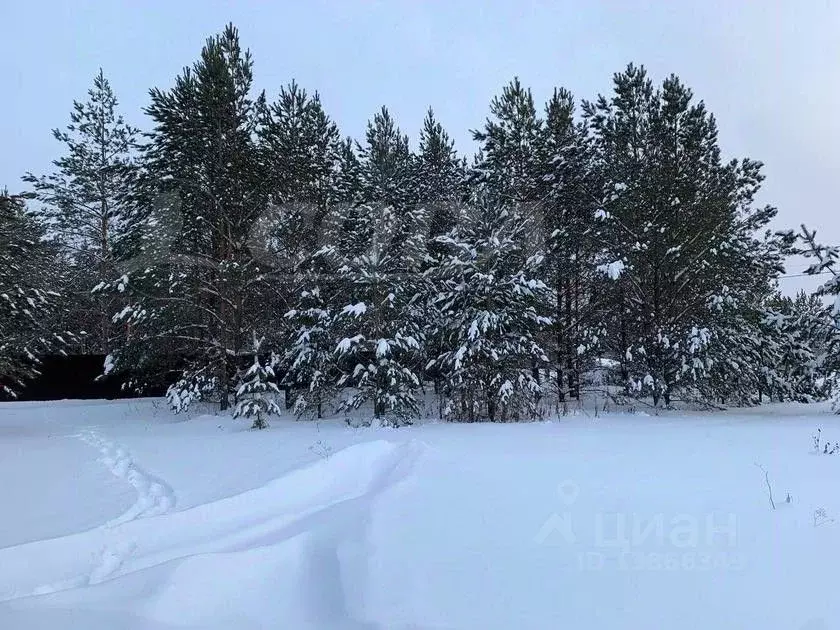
[(191, 387)]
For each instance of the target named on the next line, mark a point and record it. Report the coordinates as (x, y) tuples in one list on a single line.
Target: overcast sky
[(769, 71)]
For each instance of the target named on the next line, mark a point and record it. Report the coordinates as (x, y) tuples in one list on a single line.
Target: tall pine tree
[(200, 300), (679, 224), (87, 201)]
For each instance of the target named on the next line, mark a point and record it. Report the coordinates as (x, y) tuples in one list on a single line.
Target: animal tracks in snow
[(154, 496), (99, 553)]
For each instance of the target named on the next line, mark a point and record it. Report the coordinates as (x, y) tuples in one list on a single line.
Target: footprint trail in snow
[(106, 547), (154, 496)]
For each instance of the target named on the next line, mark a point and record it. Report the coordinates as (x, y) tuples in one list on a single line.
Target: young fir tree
[(256, 392), (87, 201), (490, 301), (30, 275), (312, 370), (197, 297)]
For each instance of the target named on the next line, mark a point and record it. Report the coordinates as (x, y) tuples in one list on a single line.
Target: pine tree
[(809, 338), (507, 165), (746, 350), (743, 358), (379, 303), (621, 238), (680, 223), (30, 274), (568, 191), (825, 259), (300, 147), (490, 299), (87, 201), (201, 297), (439, 186), (439, 176), (311, 360), (543, 169), (387, 163), (349, 175), (301, 150), (819, 326)]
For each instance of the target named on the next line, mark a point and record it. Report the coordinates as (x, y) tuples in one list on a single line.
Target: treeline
[(243, 242)]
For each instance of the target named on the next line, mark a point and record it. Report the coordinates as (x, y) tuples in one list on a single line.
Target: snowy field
[(120, 515)]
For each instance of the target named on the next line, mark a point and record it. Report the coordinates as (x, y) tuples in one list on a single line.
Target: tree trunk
[(224, 386), (574, 386), (560, 340)]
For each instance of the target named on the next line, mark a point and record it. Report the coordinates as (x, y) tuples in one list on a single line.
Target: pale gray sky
[(770, 71)]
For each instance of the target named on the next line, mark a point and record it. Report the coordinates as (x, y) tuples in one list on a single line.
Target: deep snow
[(120, 515)]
